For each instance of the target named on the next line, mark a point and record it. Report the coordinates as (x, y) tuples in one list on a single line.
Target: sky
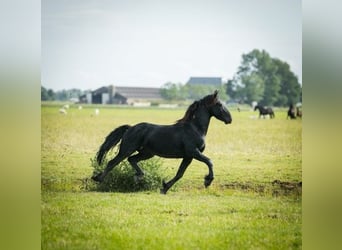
[(87, 44)]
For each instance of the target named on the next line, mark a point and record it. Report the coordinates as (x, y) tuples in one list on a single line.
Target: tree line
[(180, 92), (266, 80), (260, 78), (61, 95)]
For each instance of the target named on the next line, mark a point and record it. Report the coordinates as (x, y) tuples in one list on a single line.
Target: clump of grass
[(121, 178)]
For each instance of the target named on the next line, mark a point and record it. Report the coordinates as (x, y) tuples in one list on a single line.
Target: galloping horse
[(184, 139), (264, 111)]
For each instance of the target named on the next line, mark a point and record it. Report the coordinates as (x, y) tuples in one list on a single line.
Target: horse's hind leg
[(126, 149), (134, 159), (130, 142), (111, 164), (166, 186)]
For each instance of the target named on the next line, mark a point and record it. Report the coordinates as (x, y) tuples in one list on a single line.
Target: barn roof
[(129, 92), (100, 90), (138, 92), (205, 80)]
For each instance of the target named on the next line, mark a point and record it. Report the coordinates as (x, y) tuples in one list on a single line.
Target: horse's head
[(256, 107), (217, 109)]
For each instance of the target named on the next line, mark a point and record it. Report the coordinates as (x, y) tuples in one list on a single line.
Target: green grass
[(242, 209)]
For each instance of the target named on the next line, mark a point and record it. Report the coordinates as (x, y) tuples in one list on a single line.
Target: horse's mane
[(261, 107), (189, 114)]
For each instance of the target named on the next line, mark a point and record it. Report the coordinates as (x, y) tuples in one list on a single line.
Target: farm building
[(212, 81), (121, 95)]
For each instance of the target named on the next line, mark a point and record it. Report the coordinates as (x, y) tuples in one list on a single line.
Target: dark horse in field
[(184, 139), (299, 113), (291, 112), (264, 111)]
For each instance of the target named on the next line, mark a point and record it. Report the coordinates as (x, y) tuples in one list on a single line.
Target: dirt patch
[(286, 187), (276, 187), (247, 186)]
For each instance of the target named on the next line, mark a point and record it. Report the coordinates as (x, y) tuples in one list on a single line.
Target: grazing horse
[(264, 111), (184, 139), (291, 112), (299, 112)]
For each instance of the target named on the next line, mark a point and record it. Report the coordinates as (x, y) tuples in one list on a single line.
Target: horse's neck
[(201, 120)]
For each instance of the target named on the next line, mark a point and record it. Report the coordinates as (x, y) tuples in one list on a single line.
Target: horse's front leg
[(183, 166), (201, 157)]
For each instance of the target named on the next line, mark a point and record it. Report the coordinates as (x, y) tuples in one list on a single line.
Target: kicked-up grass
[(253, 203)]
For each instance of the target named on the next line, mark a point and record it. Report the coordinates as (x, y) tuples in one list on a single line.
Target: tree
[(62, 95), (43, 94), (51, 94), (231, 89), (253, 88), (264, 79), (178, 92), (172, 91), (46, 94), (290, 90), (249, 82)]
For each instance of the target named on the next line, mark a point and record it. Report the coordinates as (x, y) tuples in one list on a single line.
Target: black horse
[(299, 112), (291, 112), (264, 111), (184, 139)]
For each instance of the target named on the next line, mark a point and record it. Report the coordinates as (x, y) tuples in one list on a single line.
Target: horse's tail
[(111, 140)]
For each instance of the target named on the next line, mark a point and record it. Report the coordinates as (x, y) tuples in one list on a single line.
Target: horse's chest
[(200, 143), (202, 147)]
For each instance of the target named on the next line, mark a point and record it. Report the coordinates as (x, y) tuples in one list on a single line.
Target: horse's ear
[(215, 93), (215, 98)]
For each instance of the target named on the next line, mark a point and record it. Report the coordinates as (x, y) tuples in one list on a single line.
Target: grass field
[(253, 203)]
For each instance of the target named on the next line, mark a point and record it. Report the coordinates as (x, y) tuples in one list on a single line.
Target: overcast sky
[(88, 44)]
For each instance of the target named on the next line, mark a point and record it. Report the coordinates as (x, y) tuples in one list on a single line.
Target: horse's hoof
[(97, 178), (207, 181), (164, 189)]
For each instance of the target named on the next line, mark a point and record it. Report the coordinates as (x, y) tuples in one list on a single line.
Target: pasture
[(254, 201)]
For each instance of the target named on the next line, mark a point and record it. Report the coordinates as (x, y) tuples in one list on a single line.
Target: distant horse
[(264, 111), (184, 139), (299, 112), (291, 112)]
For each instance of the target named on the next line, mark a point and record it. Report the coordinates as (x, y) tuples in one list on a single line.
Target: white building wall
[(89, 98), (105, 98)]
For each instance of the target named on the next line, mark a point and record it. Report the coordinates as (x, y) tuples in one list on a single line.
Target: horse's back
[(170, 141), (134, 136), (166, 141)]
